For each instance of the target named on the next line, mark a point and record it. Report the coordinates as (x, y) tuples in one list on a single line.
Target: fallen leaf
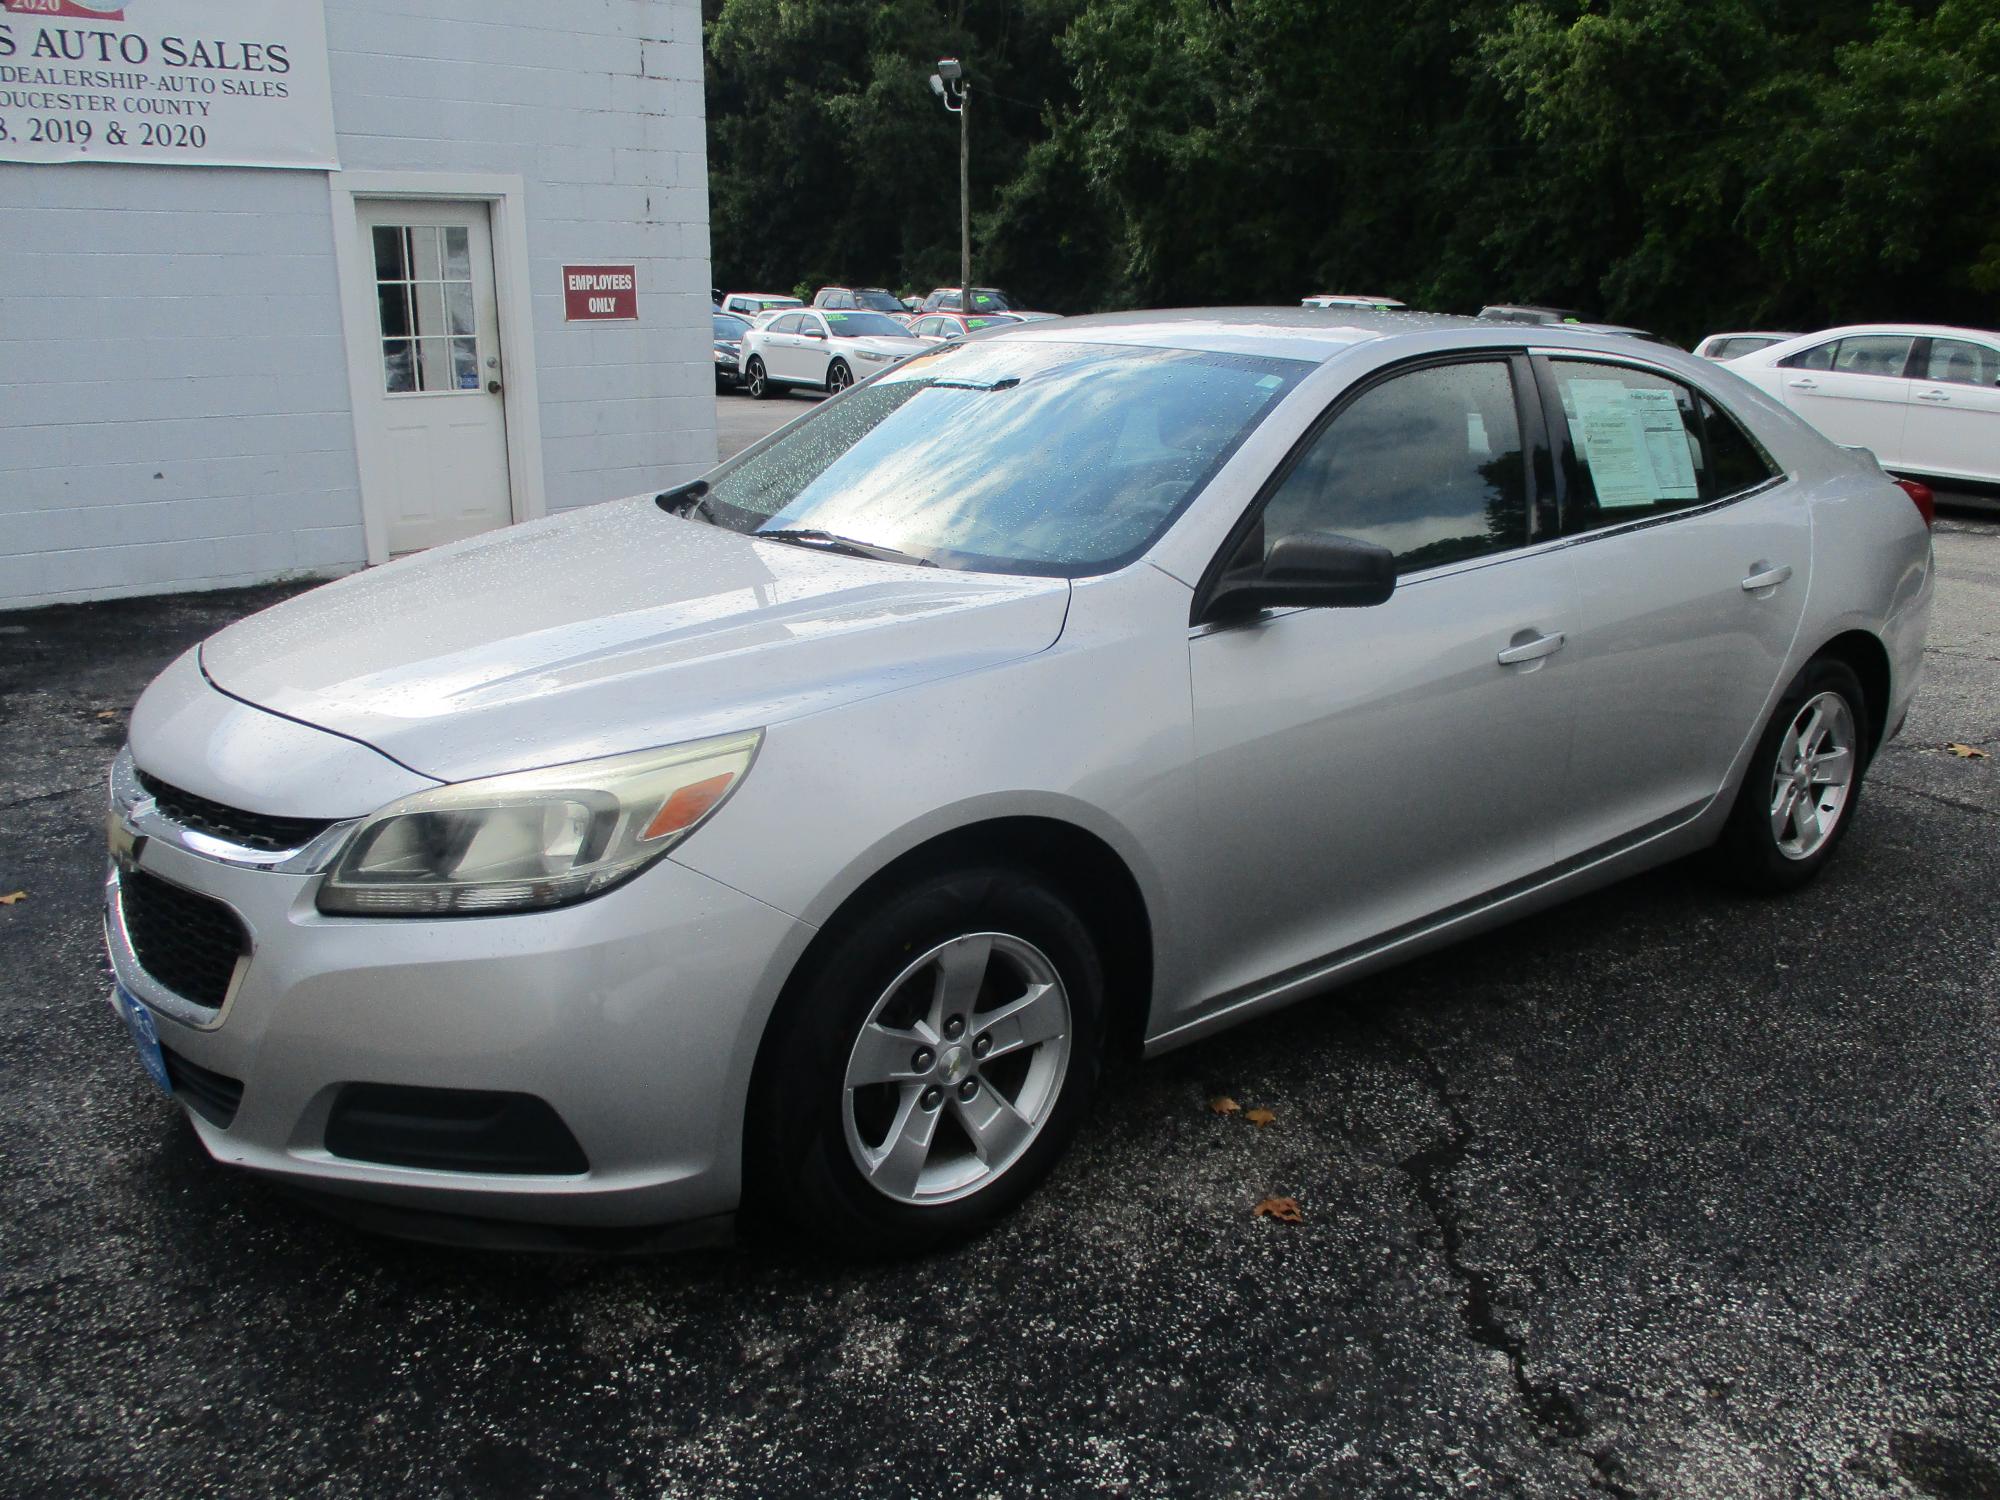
[(107, 713), (1222, 1104), (1967, 752), (13, 898), (1284, 1210), (1261, 1117)]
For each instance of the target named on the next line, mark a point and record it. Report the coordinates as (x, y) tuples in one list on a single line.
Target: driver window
[(1427, 464)]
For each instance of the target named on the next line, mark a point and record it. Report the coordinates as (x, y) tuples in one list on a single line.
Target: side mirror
[(812, 333), (1313, 570)]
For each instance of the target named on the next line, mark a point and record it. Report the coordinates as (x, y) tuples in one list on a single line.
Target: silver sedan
[(804, 840)]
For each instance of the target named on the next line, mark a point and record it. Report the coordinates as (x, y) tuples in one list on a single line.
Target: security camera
[(949, 69)]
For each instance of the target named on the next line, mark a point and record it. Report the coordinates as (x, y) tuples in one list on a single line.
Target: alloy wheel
[(838, 379), (957, 1068), (1813, 775)]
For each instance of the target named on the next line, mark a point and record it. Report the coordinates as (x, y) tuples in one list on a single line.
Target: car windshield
[(876, 300), (729, 327), (1008, 456), (865, 325)]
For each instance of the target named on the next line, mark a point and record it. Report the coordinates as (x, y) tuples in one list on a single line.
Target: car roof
[(1914, 330)]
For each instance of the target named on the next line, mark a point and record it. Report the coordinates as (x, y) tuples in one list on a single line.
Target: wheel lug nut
[(954, 1026), (932, 1098), (921, 1063), (983, 1046), (968, 1088)]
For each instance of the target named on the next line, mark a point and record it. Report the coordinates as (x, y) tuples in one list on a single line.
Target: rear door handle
[(1535, 650), (1803, 385), (1769, 578), (1932, 396)]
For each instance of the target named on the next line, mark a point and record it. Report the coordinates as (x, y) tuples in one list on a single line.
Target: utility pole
[(950, 85)]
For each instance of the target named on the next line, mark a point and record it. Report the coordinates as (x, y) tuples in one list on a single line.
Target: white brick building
[(218, 375)]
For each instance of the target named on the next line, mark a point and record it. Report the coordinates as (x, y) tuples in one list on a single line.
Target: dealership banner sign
[(216, 83)]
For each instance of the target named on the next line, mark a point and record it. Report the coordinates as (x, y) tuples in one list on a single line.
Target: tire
[(838, 377), (1770, 843), (754, 378), (880, 999)]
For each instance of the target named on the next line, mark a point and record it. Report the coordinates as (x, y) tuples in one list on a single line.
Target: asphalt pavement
[(1665, 1192)]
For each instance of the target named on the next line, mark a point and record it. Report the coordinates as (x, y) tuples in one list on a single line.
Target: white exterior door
[(1954, 429), (436, 406), (1853, 391)]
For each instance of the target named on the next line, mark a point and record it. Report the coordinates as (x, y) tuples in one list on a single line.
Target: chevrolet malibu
[(801, 842)]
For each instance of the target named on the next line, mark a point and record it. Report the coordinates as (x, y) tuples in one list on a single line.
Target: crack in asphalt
[(1940, 799), (1557, 1419), (66, 791)]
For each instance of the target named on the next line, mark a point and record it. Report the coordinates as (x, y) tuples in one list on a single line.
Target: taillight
[(1921, 497)]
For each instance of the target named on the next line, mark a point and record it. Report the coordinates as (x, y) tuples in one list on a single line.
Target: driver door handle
[(1803, 385), (1932, 396), (1769, 578), (1534, 650)]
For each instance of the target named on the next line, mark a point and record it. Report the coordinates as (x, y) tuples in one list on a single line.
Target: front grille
[(247, 829), (452, 1130), (188, 942), (213, 1096)]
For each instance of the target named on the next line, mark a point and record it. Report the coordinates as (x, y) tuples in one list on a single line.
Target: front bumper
[(635, 1016)]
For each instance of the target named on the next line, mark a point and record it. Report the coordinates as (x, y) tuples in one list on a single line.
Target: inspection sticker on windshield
[(138, 1019)]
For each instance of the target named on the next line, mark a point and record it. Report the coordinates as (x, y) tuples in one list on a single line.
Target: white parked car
[(1354, 302), (823, 348), (749, 304), (1736, 345), (1925, 400)]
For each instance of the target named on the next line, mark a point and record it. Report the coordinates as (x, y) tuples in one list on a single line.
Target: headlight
[(871, 354), (533, 839)]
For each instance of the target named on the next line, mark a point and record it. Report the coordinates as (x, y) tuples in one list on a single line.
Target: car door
[(814, 351), (1360, 769), (1854, 390), (1954, 422), (1692, 554), (778, 344)]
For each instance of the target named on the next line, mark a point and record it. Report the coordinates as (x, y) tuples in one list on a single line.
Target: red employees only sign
[(600, 294)]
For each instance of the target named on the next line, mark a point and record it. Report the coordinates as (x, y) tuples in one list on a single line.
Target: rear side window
[(787, 324), (1641, 445), (1427, 464), (1957, 362)]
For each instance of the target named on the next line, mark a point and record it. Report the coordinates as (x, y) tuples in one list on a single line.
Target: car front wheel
[(930, 1067), (838, 377), (756, 379), (1799, 795)]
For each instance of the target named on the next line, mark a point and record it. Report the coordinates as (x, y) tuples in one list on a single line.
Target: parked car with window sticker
[(1736, 345), (802, 841), (1924, 399), (823, 348)]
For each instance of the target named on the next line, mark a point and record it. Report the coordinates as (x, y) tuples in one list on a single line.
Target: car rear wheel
[(931, 1066), (1799, 795), (756, 379), (838, 377)]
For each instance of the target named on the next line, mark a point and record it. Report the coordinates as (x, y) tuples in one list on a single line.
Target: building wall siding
[(174, 410)]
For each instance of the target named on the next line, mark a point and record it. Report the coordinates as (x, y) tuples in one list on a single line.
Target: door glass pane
[(1427, 464), (465, 364), (1956, 362), (1873, 354), (391, 257), (423, 292), (1634, 445), (458, 306), (398, 367), (393, 298)]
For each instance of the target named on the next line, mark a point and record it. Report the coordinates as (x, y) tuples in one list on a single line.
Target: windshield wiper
[(829, 541), (685, 500)]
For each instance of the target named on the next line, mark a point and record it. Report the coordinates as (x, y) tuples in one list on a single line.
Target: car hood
[(610, 629)]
